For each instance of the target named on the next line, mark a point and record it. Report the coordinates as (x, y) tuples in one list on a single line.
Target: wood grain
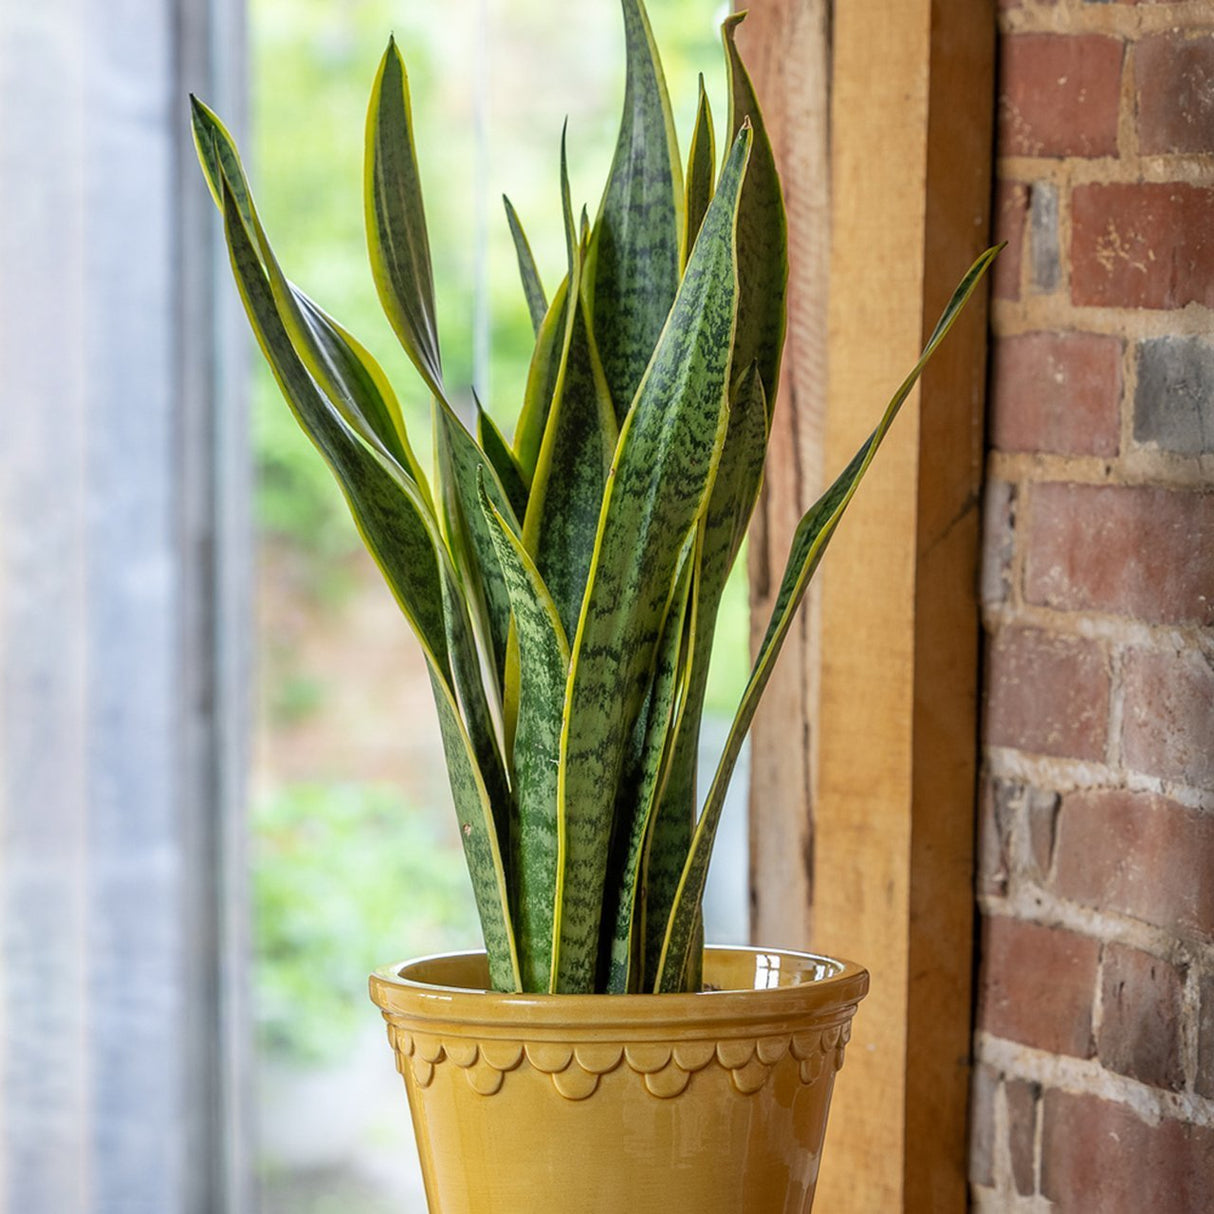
[(864, 788)]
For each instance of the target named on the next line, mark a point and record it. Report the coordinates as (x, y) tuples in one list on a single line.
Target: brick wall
[(1094, 1078)]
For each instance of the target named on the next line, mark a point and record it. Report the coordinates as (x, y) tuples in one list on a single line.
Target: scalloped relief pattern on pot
[(665, 1069)]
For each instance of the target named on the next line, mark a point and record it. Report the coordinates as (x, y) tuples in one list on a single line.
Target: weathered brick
[(1168, 720), (1137, 854), (1099, 1157), (1023, 1099), (1059, 94), (1047, 694), (1140, 1016), (984, 1083), (1045, 256), (1056, 392), (1036, 985), (998, 540), (1008, 220), (1142, 245), (1204, 1082), (1174, 88), (1174, 399), (993, 861), (1134, 551)]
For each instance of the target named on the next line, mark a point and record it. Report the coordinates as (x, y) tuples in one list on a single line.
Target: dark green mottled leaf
[(762, 234), (809, 544), (498, 452), (393, 521), (645, 767), (567, 491), (541, 381), (663, 470), (701, 171), (634, 247), (543, 664), (533, 288), (734, 493), (396, 220)]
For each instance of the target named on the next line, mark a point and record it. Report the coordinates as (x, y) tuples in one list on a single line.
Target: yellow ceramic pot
[(708, 1103)]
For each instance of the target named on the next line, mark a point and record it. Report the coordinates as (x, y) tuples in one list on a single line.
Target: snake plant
[(564, 583)]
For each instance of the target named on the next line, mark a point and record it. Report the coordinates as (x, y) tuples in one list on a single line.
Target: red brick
[(1036, 985), (1137, 854), (1099, 1157), (1047, 694), (1174, 83), (1059, 94), (993, 862), (1169, 714), (1010, 212), (1023, 1099), (1140, 1017), (1142, 245), (1057, 392), (1134, 551)]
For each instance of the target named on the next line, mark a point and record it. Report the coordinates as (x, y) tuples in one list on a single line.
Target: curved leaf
[(396, 220), (502, 460), (541, 381), (701, 171), (809, 544), (533, 288)]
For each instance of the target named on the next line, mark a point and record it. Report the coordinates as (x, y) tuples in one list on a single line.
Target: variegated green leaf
[(498, 452), (533, 288), (543, 664), (762, 234), (541, 381), (734, 493), (634, 247), (396, 220), (645, 768), (392, 519), (567, 490), (701, 171), (809, 544), (460, 462), (662, 473)]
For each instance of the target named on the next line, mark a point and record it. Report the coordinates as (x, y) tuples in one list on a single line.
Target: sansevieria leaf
[(701, 171), (813, 534), (396, 220), (381, 500), (662, 473), (533, 288), (544, 664), (634, 246)]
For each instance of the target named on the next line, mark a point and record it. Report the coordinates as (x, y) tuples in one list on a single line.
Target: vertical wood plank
[(785, 44), (889, 805)]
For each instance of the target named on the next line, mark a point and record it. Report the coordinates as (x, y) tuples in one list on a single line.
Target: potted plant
[(564, 586)]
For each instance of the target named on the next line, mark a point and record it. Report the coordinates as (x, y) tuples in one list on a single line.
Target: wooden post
[(893, 722)]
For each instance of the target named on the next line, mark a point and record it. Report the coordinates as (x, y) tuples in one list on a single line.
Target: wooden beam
[(894, 720)]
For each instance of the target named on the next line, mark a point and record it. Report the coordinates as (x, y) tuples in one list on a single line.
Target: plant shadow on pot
[(713, 1102)]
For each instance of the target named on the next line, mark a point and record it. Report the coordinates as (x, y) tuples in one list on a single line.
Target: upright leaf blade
[(501, 458), (544, 664), (533, 288), (545, 365), (813, 534), (663, 470), (396, 220), (701, 170), (634, 247), (762, 233)]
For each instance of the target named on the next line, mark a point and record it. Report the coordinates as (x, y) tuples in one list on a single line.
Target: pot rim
[(820, 985)]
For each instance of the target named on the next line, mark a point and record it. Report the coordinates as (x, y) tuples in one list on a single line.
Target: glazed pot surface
[(707, 1103)]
